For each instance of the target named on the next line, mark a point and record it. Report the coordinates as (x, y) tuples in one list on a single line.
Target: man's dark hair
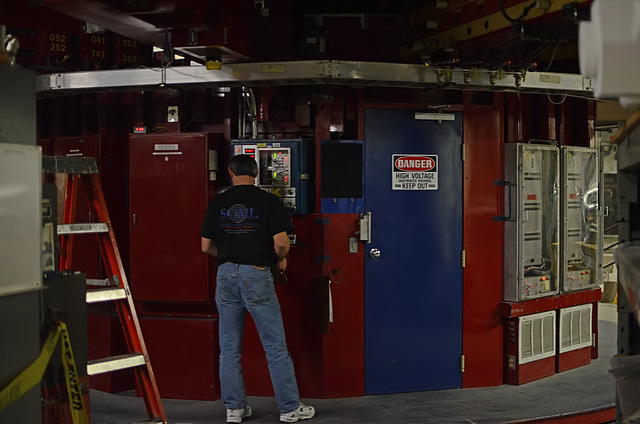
[(243, 165)]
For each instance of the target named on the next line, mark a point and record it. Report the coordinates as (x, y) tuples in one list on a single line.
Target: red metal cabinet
[(172, 179)]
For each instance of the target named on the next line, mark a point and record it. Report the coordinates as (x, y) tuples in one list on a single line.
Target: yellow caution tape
[(76, 400), (32, 375)]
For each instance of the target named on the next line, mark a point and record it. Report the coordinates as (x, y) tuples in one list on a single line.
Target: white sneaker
[(236, 415), (302, 412)]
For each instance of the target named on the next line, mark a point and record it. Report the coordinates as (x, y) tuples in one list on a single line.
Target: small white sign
[(414, 172), (165, 147)]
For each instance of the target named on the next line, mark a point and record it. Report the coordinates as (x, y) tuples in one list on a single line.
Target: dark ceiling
[(492, 34)]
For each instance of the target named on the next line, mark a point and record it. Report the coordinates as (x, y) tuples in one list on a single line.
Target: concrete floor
[(581, 389)]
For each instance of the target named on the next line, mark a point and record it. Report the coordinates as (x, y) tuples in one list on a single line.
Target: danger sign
[(414, 172)]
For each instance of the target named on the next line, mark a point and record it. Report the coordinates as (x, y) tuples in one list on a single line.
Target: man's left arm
[(209, 246)]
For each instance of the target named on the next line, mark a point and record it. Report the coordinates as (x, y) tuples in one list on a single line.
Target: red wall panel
[(299, 302), (184, 356), (573, 359), (344, 342), (328, 357), (483, 242)]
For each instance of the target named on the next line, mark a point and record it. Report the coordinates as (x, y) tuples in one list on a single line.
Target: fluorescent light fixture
[(434, 116)]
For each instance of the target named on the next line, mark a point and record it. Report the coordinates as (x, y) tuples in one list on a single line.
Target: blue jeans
[(242, 288)]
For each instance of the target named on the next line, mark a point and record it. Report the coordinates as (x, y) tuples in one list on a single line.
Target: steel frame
[(359, 74)]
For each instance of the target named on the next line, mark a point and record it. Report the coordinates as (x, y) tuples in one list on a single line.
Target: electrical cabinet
[(531, 222), (284, 169), (21, 277), (342, 176), (580, 253), (172, 179)]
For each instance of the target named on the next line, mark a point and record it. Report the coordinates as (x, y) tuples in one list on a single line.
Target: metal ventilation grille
[(575, 327), (537, 336)]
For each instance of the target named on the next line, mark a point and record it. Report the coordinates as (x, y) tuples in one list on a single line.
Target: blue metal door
[(413, 288)]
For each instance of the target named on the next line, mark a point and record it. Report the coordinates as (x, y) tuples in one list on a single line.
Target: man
[(246, 229)]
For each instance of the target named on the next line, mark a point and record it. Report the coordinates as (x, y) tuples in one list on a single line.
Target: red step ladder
[(85, 171)]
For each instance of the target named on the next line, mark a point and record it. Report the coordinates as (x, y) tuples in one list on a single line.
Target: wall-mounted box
[(581, 247), (284, 169), (342, 176), (531, 221)]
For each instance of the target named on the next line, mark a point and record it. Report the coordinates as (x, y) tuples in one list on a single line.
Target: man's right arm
[(281, 245), (209, 246)]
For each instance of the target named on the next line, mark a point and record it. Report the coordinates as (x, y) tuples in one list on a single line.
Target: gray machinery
[(531, 224), (580, 258), (20, 248)]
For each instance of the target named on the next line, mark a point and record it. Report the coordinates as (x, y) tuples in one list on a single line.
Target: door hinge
[(463, 258), (462, 363), (464, 152)]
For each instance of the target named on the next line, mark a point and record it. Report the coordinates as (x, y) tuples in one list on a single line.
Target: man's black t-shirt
[(242, 222)]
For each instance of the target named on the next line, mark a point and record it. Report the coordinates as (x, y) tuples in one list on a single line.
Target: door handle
[(509, 185), (365, 227), (375, 253)]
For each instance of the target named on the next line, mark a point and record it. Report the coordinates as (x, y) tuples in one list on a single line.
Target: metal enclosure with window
[(580, 219), (531, 221)]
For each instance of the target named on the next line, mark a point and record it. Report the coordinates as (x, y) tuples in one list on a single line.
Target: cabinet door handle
[(509, 185)]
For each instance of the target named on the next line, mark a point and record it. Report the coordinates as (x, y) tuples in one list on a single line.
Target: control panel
[(283, 169)]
